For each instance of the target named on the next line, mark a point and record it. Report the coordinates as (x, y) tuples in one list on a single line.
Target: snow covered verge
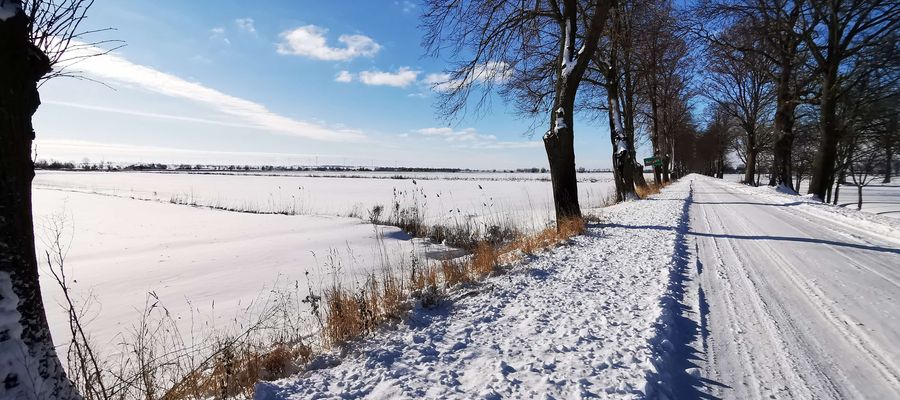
[(587, 319), (884, 226)]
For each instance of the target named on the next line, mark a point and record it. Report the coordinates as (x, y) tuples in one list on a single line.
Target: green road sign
[(654, 161)]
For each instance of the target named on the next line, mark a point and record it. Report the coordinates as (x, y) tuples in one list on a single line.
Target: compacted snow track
[(789, 301)]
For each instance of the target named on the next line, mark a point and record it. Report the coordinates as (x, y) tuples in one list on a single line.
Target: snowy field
[(523, 199), (208, 266)]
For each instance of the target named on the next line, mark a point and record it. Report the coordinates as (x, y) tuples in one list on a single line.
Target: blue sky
[(276, 82)]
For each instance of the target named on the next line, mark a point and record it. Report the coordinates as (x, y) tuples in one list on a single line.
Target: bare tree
[(662, 71), (838, 31), (739, 83), (35, 37), (612, 64), (776, 25), (536, 45)]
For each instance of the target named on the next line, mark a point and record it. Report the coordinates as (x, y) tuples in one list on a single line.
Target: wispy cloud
[(471, 139), (402, 78), (112, 69), (145, 114), (405, 5), (489, 72), (217, 34), (246, 25), (310, 41), (343, 77)]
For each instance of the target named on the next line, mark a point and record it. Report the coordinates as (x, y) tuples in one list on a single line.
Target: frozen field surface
[(490, 198), (577, 322), (206, 266)]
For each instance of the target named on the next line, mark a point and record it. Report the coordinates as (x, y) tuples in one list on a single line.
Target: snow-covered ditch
[(591, 318)]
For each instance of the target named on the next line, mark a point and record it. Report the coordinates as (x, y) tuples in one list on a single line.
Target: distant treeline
[(109, 166)]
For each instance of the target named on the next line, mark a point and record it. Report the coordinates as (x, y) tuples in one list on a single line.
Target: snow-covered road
[(785, 300)]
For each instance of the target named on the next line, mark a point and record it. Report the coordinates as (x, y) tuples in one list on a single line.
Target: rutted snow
[(574, 322), (788, 298), (884, 225)]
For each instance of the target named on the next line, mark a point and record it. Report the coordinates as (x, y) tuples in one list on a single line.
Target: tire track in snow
[(743, 305), (775, 279)]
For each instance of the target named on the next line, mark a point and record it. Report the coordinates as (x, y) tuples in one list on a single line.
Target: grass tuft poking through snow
[(350, 313)]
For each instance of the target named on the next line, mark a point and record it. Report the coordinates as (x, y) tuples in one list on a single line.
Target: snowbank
[(577, 321), (884, 226)]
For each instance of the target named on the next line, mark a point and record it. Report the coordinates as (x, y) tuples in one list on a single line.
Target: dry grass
[(350, 315), (235, 371), (652, 188), (484, 261)]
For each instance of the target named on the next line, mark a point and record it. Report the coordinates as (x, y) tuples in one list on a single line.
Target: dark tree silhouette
[(35, 36)]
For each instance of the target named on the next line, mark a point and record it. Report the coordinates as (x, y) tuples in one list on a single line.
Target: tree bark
[(561, 156), (654, 138), (622, 158), (823, 166), (784, 126), (29, 358), (750, 168), (860, 200), (559, 140)]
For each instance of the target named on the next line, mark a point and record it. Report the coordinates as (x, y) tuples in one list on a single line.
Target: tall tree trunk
[(561, 156), (750, 168), (654, 138), (823, 166), (559, 140), (842, 176), (28, 360), (784, 126), (890, 141), (859, 201), (628, 114)]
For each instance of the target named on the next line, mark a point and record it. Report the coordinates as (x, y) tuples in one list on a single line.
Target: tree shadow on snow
[(763, 237), (677, 329), (748, 203)]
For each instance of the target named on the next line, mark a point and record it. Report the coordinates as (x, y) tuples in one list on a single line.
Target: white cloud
[(112, 68), (246, 25), (218, 35), (343, 77), (309, 41), (406, 5), (471, 139), (492, 71), (402, 78)]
